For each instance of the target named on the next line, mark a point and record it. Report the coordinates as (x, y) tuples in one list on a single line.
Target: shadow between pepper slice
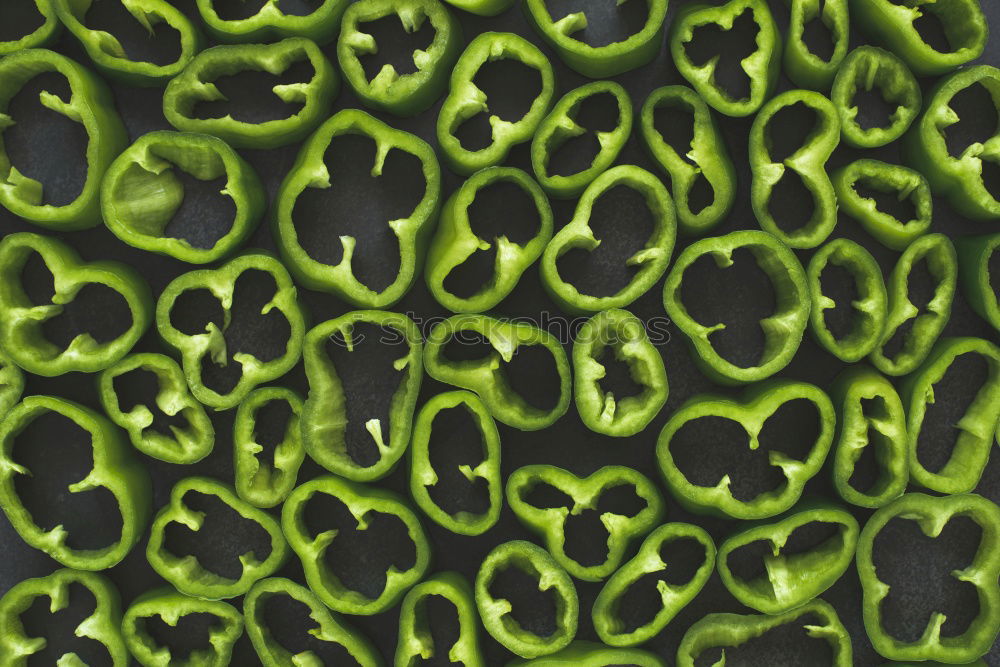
[(416, 643), (591, 654), (270, 23), (901, 182), (974, 256), (40, 37), (804, 67), (258, 482)]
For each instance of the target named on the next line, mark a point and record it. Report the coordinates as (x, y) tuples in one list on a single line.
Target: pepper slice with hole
[(487, 377), (901, 183), (561, 126), (975, 254), (466, 100), (11, 384), (363, 502), (932, 514), (651, 260), (591, 654), (259, 482), (186, 573), (454, 242), (114, 469), (42, 36), (497, 612), (142, 194), (705, 158), (90, 105), (782, 331), (804, 67), (412, 232), (270, 23), (549, 523), (423, 476), (184, 443), (653, 557), (416, 643), (757, 405), (196, 84)]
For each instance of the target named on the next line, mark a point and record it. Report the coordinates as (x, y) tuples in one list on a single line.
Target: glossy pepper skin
[(115, 469), (487, 377), (90, 104), (416, 644), (653, 557), (270, 23), (902, 182), (651, 260), (783, 330), (705, 158), (455, 242), (412, 232), (975, 277), (42, 36), (364, 503), (260, 482), (196, 84), (11, 384), (805, 68), (758, 404), (183, 444), (465, 100), (141, 193), (932, 514), (591, 654), (496, 613)]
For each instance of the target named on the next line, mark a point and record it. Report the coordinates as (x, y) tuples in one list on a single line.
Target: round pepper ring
[(258, 482), (415, 641), (270, 23), (805, 68)]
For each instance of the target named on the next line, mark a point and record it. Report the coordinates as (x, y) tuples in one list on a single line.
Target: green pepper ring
[(415, 643), (975, 277)]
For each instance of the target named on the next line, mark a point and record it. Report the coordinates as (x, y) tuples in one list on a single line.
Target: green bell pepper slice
[(653, 557), (487, 377), (975, 275), (271, 23), (901, 182), (363, 502), (497, 612), (790, 580), (11, 384), (454, 242), (783, 330), (185, 444), (549, 523), (259, 482), (416, 643), (591, 654), (42, 36), (465, 100), (90, 104), (141, 193), (705, 158), (196, 84), (932, 514), (412, 232), (805, 68), (757, 405), (115, 469), (482, 7), (103, 625)]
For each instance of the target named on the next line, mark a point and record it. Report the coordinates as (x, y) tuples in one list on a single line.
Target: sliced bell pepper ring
[(196, 84), (42, 36), (465, 100), (412, 232), (975, 254), (90, 104), (600, 410), (804, 67), (141, 193), (186, 573), (363, 502), (324, 414), (11, 384), (454, 242), (791, 580), (783, 330), (808, 163), (591, 654), (482, 7), (762, 67), (103, 625), (706, 157), (931, 514), (497, 612), (549, 523), (653, 557), (115, 469), (183, 444), (561, 125), (416, 644), (487, 377), (651, 261), (211, 346), (270, 23), (259, 482), (758, 404), (902, 182)]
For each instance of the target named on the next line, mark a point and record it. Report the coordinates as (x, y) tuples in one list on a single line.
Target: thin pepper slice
[(260, 483), (653, 557), (901, 182), (591, 654), (549, 523), (114, 469), (466, 100), (804, 67), (142, 193), (11, 384), (975, 275), (197, 84), (90, 104), (454, 242), (183, 444), (561, 125), (497, 612), (412, 232), (271, 23), (705, 158), (42, 36), (932, 514), (487, 377), (416, 644)]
